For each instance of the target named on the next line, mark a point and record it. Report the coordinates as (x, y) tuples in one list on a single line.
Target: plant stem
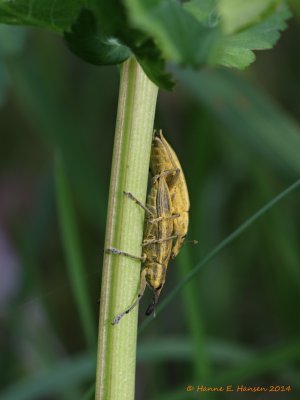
[(124, 230)]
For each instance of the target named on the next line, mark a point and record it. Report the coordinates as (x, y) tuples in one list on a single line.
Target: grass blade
[(73, 252)]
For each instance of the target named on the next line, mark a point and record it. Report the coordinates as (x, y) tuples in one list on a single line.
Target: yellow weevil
[(164, 162), (157, 243)]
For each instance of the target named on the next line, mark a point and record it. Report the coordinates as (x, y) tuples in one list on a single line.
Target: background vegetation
[(237, 135)]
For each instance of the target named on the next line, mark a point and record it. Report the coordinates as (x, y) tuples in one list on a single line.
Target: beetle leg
[(133, 198), (136, 301), (113, 250), (151, 241), (174, 216)]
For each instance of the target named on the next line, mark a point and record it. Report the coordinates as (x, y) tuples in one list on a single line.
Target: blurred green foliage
[(194, 33), (238, 138)]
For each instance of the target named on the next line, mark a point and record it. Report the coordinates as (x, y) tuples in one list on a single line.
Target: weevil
[(164, 162), (157, 243)]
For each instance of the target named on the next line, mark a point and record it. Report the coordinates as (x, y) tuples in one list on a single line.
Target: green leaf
[(236, 50), (93, 38), (51, 14), (113, 19), (203, 10), (237, 14), (259, 24), (87, 41), (105, 33), (154, 65), (179, 35)]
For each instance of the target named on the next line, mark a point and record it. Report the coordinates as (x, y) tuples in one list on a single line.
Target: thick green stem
[(124, 230)]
